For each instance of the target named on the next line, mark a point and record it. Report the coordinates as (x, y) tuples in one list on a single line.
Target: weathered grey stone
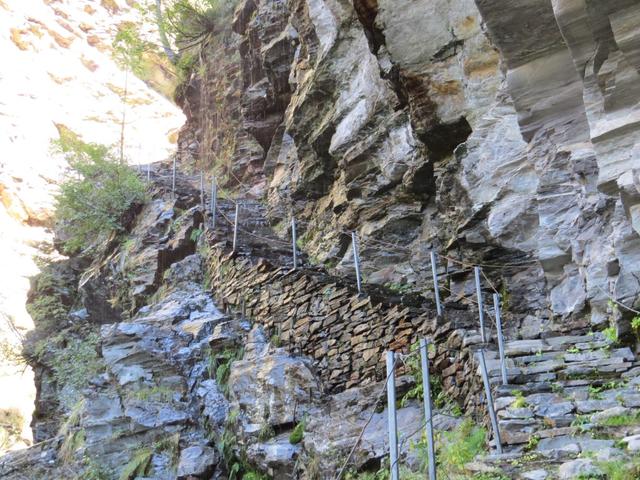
[(275, 388), (539, 474), (589, 406), (196, 461), (554, 409), (580, 467), (525, 347), (604, 415), (631, 400), (558, 446), (515, 413), (277, 456)]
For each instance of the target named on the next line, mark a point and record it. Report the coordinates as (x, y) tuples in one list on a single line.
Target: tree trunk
[(124, 114), (163, 35)]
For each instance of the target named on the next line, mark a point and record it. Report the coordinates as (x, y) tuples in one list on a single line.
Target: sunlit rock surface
[(502, 133), (57, 72)]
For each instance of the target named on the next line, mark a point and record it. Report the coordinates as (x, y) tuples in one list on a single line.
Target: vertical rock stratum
[(502, 133)]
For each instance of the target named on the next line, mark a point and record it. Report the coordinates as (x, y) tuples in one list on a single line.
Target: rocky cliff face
[(498, 134)]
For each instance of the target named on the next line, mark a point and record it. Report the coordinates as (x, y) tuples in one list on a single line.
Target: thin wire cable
[(369, 242), (471, 301), (373, 412), (489, 282), (616, 301), (260, 237)]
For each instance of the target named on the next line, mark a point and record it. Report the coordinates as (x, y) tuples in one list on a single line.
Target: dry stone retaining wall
[(346, 334)]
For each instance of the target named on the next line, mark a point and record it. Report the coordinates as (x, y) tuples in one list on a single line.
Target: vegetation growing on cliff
[(96, 195), (190, 22)]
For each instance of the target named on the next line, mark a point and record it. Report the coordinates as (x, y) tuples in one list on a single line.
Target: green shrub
[(94, 199), (622, 420), (220, 366), (129, 48), (460, 446), (138, 466), (189, 22), (77, 362), (438, 396), (621, 469), (195, 234), (233, 455), (94, 471), (520, 401), (47, 310), (297, 434), (266, 431), (611, 334), (635, 325)]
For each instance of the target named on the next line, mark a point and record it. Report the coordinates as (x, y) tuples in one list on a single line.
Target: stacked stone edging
[(346, 334)]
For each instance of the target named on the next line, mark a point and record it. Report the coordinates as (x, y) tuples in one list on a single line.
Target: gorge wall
[(498, 133)]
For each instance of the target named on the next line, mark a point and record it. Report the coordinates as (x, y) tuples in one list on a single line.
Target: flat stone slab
[(631, 400), (544, 367), (535, 475), (581, 467), (609, 413), (541, 399), (554, 409), (511, 413), (590, 406), (558, 446), (196, 461), (633, 442), (525, 347), (557, 342)]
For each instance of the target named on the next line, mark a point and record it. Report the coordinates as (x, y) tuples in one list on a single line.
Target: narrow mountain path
[(571, 402), (185, 373)]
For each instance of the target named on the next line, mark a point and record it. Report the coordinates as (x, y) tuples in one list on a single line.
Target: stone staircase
[(571, 402)]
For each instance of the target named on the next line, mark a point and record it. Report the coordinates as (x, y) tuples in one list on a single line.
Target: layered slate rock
[(511, 145)]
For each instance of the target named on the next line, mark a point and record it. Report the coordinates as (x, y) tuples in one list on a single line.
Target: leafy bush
[(297, 434), (520, 401), (611, 334), (129, 48), (635, 325), (95, 197), (47, 310), (77, 362), (233, 455), (621, 469), (94, 471), (189, 22), (461, 446), (220, 366), (138, 466), (438, 396)]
